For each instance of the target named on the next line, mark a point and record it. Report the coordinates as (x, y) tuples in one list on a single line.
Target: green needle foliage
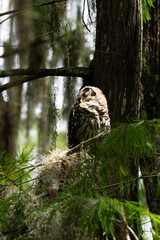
[(97, 197), (146, 4), (14, 171)]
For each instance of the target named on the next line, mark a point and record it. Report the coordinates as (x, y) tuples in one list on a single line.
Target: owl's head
[(89, 93)]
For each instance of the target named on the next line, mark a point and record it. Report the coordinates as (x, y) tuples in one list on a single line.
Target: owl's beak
[(79, 100)]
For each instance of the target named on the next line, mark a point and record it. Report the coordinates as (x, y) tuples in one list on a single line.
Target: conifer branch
[(18, 184), (129, 181)]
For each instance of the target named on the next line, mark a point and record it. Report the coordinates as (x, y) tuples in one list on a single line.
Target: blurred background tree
[(41, 37)]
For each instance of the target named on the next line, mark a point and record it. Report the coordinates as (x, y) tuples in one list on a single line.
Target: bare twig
[(11, 172), (139, 123), (18, 11), (89, 12), (18, 184), (129, 229), (104, 133), (114, 53), (113, 236), (20, 47), (30, 170), (17, 82), (31, 180), (132, 233), (129, 181), (84, 1), (79, 146), (13, 181)]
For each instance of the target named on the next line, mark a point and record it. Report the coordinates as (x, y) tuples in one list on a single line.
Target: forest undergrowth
[(85, 193)]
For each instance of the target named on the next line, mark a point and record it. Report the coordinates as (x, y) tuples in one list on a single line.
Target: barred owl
[(88, 115)]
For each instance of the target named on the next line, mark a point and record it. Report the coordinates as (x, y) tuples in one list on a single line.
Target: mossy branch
[(30, 7), (64, 71), (32, 74), (15, 12)]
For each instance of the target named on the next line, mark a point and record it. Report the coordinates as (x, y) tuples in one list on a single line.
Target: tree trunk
[(10, 116), (151, 166), (38, 92), (118, 56), (151, 83), (116, 69), (151, 70)]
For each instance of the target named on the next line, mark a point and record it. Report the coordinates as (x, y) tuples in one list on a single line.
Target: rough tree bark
[(116, 69), (151, 83), (118, 56), (151, 59)]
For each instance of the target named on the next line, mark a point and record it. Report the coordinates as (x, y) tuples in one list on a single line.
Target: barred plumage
[(88, 115)]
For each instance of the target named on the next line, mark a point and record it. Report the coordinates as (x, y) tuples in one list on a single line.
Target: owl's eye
[(87, 90), (93, 93)]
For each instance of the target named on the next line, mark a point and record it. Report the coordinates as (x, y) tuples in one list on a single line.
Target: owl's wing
[(73, 125), (82, 124)]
